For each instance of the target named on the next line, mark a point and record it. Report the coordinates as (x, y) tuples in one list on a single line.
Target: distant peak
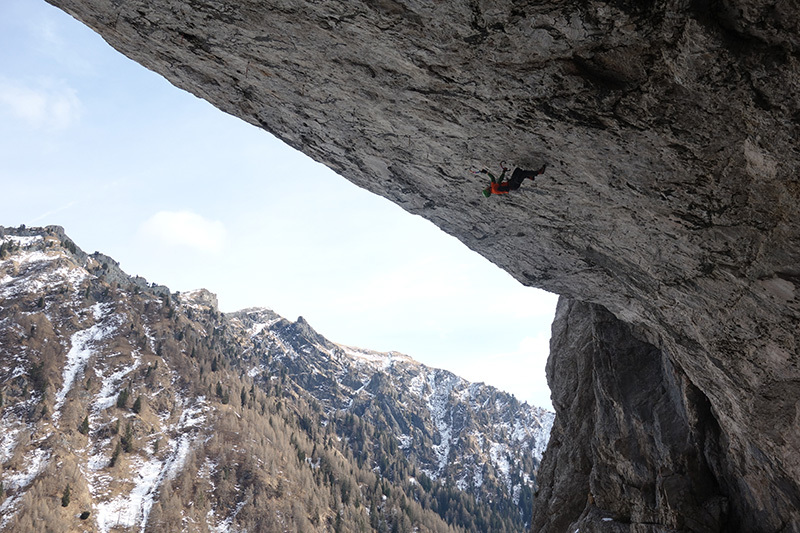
[(199, 298), (378, 359)]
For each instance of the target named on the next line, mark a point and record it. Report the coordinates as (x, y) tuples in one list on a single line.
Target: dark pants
[(518, 176)]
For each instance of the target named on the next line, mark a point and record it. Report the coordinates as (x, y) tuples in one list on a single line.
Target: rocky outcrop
[(670, 199), (635, 446)]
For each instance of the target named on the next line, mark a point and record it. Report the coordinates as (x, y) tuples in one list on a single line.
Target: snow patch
[(128, 511), (417, 385), (22, 241), (107, 397), (258, 327), (543, 435), (405, 441), (150, 338), (36, 461), (499, 454), (477, 477), (516, 492), (30, 274), (133, 509), (377, 360), (82, 344), (8, 441), (442, 384), (225, 525)]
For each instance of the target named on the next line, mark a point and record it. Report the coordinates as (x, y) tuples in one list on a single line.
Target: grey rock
[(671, 195), (635, 446), (201, 298)]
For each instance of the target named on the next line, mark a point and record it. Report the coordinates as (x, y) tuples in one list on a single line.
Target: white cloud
[(50, 105), (184, 228)]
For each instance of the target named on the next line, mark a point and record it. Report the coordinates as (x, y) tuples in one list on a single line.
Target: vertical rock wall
[(635, 446)]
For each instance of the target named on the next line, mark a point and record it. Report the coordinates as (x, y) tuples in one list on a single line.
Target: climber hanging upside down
[(502, 186)]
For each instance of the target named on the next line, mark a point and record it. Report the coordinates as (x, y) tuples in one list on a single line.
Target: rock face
[(670, 199), (651, 450)]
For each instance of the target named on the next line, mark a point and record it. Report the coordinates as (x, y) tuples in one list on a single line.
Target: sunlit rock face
[(670, 197)]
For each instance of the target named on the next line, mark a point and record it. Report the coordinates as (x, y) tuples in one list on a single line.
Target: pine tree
[(65, 497), (37, 377), (115, 455), (84, 427), (127, 439), (137, 405), (122, 398)]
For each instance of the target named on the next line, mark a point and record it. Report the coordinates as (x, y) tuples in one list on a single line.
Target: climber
[(498, 186)]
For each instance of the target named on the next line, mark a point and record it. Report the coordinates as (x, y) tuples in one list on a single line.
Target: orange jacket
[(499, 188), (497, 185)]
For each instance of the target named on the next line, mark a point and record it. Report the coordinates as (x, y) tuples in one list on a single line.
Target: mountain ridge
[(149, 410), (354, 381)]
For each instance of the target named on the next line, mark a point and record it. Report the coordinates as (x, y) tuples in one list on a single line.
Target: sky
[(188, 197)]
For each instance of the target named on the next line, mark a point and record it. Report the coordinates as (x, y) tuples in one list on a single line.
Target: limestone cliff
[(670, 199), (651, 454)]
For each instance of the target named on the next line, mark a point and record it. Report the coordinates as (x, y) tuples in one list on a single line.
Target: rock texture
[(650, 452), (671, 196)]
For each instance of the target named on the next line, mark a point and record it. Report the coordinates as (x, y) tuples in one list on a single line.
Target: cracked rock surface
[(670, 198)]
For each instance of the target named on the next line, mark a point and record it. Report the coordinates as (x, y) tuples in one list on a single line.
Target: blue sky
[(189, 197)]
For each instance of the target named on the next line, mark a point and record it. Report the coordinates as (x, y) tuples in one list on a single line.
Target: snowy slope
[(471, 435), (87, 366), (130, 395)]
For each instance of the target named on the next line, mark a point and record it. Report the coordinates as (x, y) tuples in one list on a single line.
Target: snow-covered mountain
[(124, 407), (479, 438)]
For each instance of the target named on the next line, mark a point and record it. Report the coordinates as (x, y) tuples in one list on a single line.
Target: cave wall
[(669, 129), (635, 446)]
